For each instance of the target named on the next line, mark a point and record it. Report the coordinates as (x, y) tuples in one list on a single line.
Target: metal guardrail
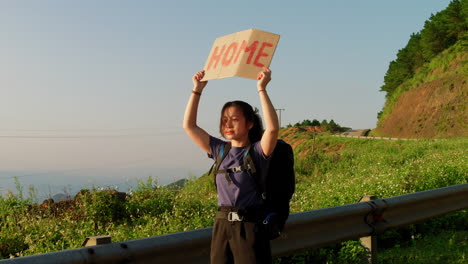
[(304, 230)]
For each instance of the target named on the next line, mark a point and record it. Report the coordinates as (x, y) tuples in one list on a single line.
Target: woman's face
[(234, 125)]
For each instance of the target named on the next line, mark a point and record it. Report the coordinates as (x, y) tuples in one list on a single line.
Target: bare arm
[(197, 134), (270, 136)]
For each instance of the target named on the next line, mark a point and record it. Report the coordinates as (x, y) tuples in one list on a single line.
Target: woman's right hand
[(198, 84)]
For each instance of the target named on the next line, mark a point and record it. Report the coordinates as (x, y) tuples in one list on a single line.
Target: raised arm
[(197, 134), (270, 136)]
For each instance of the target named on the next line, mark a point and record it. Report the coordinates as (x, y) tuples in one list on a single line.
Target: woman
[(236, 237)]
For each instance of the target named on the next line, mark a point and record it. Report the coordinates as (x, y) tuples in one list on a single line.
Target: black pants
[(238, 243)]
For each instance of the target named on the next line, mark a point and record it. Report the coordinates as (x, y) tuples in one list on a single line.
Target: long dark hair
[(250, 114)]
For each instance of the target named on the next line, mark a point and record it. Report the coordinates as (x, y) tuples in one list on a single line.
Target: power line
[(62, 134), (82, 130), (79, 136)]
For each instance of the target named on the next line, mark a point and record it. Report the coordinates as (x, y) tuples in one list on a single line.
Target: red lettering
[(242, 47), (246, 48), (252, 49), (232, 53), (216, 57), (226, 60), (261, 54)]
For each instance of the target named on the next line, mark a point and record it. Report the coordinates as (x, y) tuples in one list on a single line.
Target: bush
[(149, 199)]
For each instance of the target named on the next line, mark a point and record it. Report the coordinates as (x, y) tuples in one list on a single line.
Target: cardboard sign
[(241, 54)]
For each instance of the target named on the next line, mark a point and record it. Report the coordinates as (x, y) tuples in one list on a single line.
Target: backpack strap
[(223, 151), (248, 164), (263, 174), (261, 180)]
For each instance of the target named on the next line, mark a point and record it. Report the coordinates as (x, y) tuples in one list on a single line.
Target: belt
[(230, 216), (239, 214), (233, 209)]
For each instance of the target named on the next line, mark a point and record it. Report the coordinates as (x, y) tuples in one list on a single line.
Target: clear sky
[(99, 88)]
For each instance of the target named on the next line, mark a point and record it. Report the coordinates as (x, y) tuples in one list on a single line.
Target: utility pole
[(279, 110)]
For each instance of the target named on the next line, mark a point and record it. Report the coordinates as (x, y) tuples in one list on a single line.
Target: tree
[(443, 29), (333, 126), (315, 122), (306, 122), (409, 59), (440, 31), (414, 51)]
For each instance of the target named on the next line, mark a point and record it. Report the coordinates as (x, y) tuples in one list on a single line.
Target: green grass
[(448, 247), (377, 167), (331, 171)]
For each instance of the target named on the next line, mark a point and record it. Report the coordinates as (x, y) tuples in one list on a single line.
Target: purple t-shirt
[(242, 191)]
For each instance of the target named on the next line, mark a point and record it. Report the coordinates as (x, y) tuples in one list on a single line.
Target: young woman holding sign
[(236, 237)]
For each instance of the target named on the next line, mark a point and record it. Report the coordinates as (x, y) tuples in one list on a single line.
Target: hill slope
[(433, 103)]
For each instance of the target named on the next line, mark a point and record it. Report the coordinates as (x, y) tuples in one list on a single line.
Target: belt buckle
[(234, 216)]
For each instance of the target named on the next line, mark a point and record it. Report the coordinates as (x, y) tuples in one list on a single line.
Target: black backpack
[(276, 185)]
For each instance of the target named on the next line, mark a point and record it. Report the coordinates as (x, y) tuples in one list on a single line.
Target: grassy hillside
[(432, 104), (358, 167), (331, 171)]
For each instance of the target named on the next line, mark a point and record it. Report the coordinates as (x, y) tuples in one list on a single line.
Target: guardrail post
[(369, 242), (96, 240)]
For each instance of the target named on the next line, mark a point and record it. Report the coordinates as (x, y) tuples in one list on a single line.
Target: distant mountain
[(177, 185), (61, 197)]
